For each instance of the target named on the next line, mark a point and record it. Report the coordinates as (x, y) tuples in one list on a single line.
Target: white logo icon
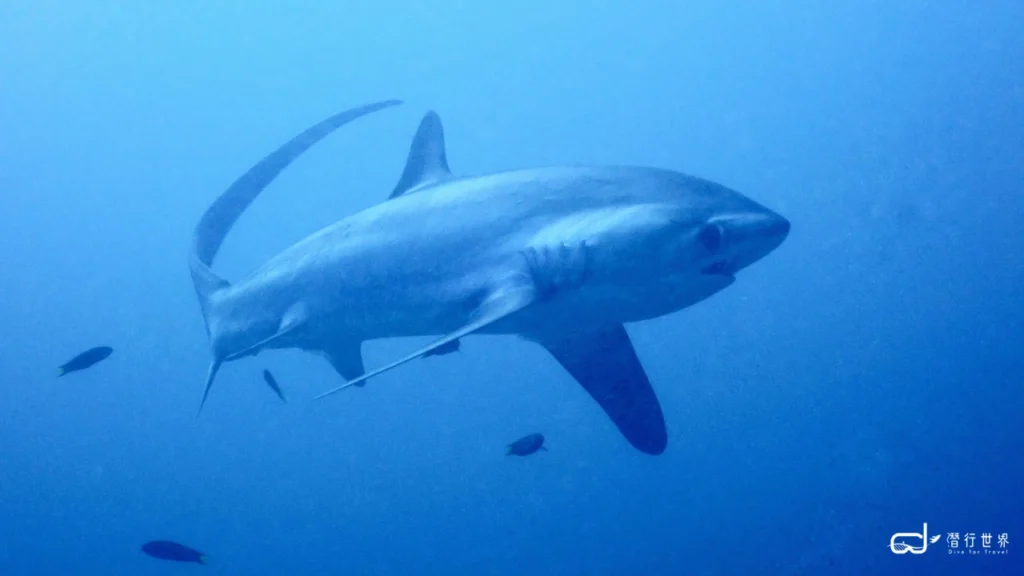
[(902, 547)]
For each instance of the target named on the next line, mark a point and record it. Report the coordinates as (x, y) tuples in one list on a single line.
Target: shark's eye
[(711, 237)]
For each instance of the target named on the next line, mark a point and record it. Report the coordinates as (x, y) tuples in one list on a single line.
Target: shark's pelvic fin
[(427, 163), (449, 348), (500, 304), (347, 359), (604, 362), (294, 318)]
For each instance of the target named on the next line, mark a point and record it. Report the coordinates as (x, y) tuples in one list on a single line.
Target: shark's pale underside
[(561, 256)]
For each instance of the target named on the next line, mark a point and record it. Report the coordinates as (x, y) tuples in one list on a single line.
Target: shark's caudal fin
[(428, 162), (221, 216), (210, 375)]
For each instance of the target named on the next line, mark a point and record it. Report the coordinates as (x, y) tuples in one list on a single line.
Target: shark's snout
[(776, 228), (761, 234), (737, 241)]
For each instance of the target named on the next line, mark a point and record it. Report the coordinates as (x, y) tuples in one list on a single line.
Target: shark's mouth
[(720, 268)]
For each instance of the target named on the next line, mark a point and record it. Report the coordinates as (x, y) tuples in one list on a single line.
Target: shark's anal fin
[(604, 362), (427, 162), (502, 303), (347, 359)]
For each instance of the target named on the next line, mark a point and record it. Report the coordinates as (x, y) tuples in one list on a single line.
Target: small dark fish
[(526, 445), (272, 382), (446, 348), (173, 551), (84, 360)]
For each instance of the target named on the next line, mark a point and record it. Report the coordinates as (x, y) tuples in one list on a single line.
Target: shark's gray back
[(460, 215)]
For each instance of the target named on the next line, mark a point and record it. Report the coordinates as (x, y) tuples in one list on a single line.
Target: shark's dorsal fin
[(428, 162)]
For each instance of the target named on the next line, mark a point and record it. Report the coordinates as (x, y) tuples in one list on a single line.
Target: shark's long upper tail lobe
[(221, 216)]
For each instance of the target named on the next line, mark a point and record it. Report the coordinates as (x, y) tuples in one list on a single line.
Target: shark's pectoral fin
[(604, 362), (347, 359), (500, 304)]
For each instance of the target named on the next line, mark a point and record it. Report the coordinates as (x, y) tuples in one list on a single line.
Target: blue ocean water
[(862, 380)]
